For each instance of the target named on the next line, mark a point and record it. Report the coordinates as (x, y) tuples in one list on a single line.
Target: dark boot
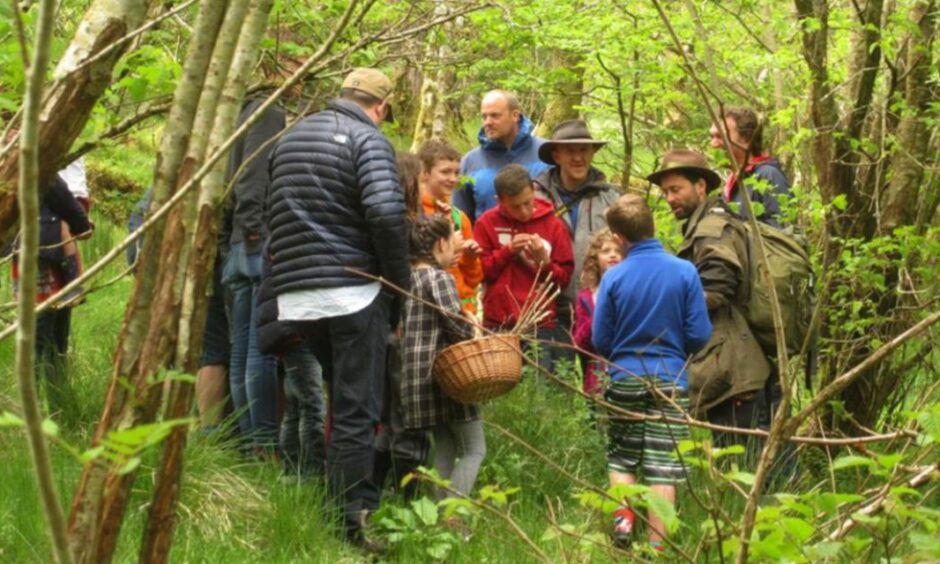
[(381, 467)]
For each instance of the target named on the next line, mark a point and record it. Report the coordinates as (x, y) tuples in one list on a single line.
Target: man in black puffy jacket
[(336, 207)]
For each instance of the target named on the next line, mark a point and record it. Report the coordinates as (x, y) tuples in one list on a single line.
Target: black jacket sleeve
[(251, 185), (60, 201), (383, 205)]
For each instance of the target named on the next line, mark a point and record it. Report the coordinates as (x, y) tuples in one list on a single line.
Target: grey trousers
[(459, 448)]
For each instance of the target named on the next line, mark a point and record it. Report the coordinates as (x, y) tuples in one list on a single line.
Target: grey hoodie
[(589, 221)]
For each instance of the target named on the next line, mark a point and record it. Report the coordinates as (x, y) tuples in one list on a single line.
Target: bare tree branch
[(29, 273)]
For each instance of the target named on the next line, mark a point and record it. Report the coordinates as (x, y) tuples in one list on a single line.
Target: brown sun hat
[(678, 160), (570, 132)]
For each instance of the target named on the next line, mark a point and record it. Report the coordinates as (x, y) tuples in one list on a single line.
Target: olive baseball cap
[(373, 82)]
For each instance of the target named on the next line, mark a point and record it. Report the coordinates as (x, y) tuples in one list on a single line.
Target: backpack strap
[(586, 192)]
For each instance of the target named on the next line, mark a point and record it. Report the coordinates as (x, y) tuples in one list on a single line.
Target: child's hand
[(520, 242), (471, 248), (443, 207), (538, 250)]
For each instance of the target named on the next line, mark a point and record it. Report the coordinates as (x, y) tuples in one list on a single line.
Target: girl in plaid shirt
[(434, 320)]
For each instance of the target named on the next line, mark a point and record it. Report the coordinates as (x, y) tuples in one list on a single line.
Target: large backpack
[(792, 276)]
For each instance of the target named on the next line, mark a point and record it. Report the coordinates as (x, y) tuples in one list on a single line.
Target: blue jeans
[(302, 440), (252, 376), (351, 349)]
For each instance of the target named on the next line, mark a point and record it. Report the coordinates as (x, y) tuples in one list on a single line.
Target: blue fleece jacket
[(482, 164), (650, 315)]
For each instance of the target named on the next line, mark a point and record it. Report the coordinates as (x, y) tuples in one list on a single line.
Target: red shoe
[(623, 525)]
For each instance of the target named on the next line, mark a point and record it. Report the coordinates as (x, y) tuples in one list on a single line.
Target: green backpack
[(792, 276)]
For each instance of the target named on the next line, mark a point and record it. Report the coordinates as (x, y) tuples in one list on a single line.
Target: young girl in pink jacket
[(603, 252)]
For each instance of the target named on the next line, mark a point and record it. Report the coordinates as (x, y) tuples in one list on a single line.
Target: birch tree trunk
[(148, 339), (192, 315), (433, 112), (74, 92)]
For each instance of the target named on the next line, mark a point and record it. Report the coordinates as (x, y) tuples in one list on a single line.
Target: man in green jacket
[(726, 377)]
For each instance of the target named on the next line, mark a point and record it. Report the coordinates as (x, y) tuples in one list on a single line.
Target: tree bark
[(438, 80), (906, 169), (148, 337), (158, 533), (74, 92), (567, 91)]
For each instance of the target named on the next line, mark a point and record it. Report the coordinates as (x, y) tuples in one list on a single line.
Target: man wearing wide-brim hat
[(578, 190), (726, 377)]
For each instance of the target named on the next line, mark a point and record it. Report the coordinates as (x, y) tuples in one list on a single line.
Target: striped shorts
[(648, 445)]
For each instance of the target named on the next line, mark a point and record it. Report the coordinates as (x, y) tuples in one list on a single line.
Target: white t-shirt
[(74, 176), (323, 303)]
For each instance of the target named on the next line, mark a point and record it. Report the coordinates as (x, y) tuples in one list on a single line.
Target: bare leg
[(211, 392), (657, 529), (617, 478)]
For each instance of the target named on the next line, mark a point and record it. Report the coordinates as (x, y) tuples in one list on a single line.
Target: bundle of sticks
[(536, 307)]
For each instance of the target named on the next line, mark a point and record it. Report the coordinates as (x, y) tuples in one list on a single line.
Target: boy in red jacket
[(519, 239)]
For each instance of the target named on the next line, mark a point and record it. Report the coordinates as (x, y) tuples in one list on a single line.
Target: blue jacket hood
[(523, 138)]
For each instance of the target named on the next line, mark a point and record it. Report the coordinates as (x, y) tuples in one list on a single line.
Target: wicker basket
[(479, 370)]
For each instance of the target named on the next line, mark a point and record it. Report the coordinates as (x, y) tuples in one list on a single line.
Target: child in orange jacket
[(440, 164)]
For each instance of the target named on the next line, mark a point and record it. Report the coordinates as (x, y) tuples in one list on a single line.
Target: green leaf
[(829, 502), (129, 466), (851, 461), (745, 478), (176, 376), (840, 202), (7, 419), (50, 428), (865, 519), (426, 511), (827, 549), (901, 491), (687, 446), (438, 550), (663, 509), (91, 454), (798, 529), (456, 506), (889, 461), (733, 449)]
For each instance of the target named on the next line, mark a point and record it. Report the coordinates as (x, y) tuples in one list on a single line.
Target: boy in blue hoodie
[(650, 317)]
